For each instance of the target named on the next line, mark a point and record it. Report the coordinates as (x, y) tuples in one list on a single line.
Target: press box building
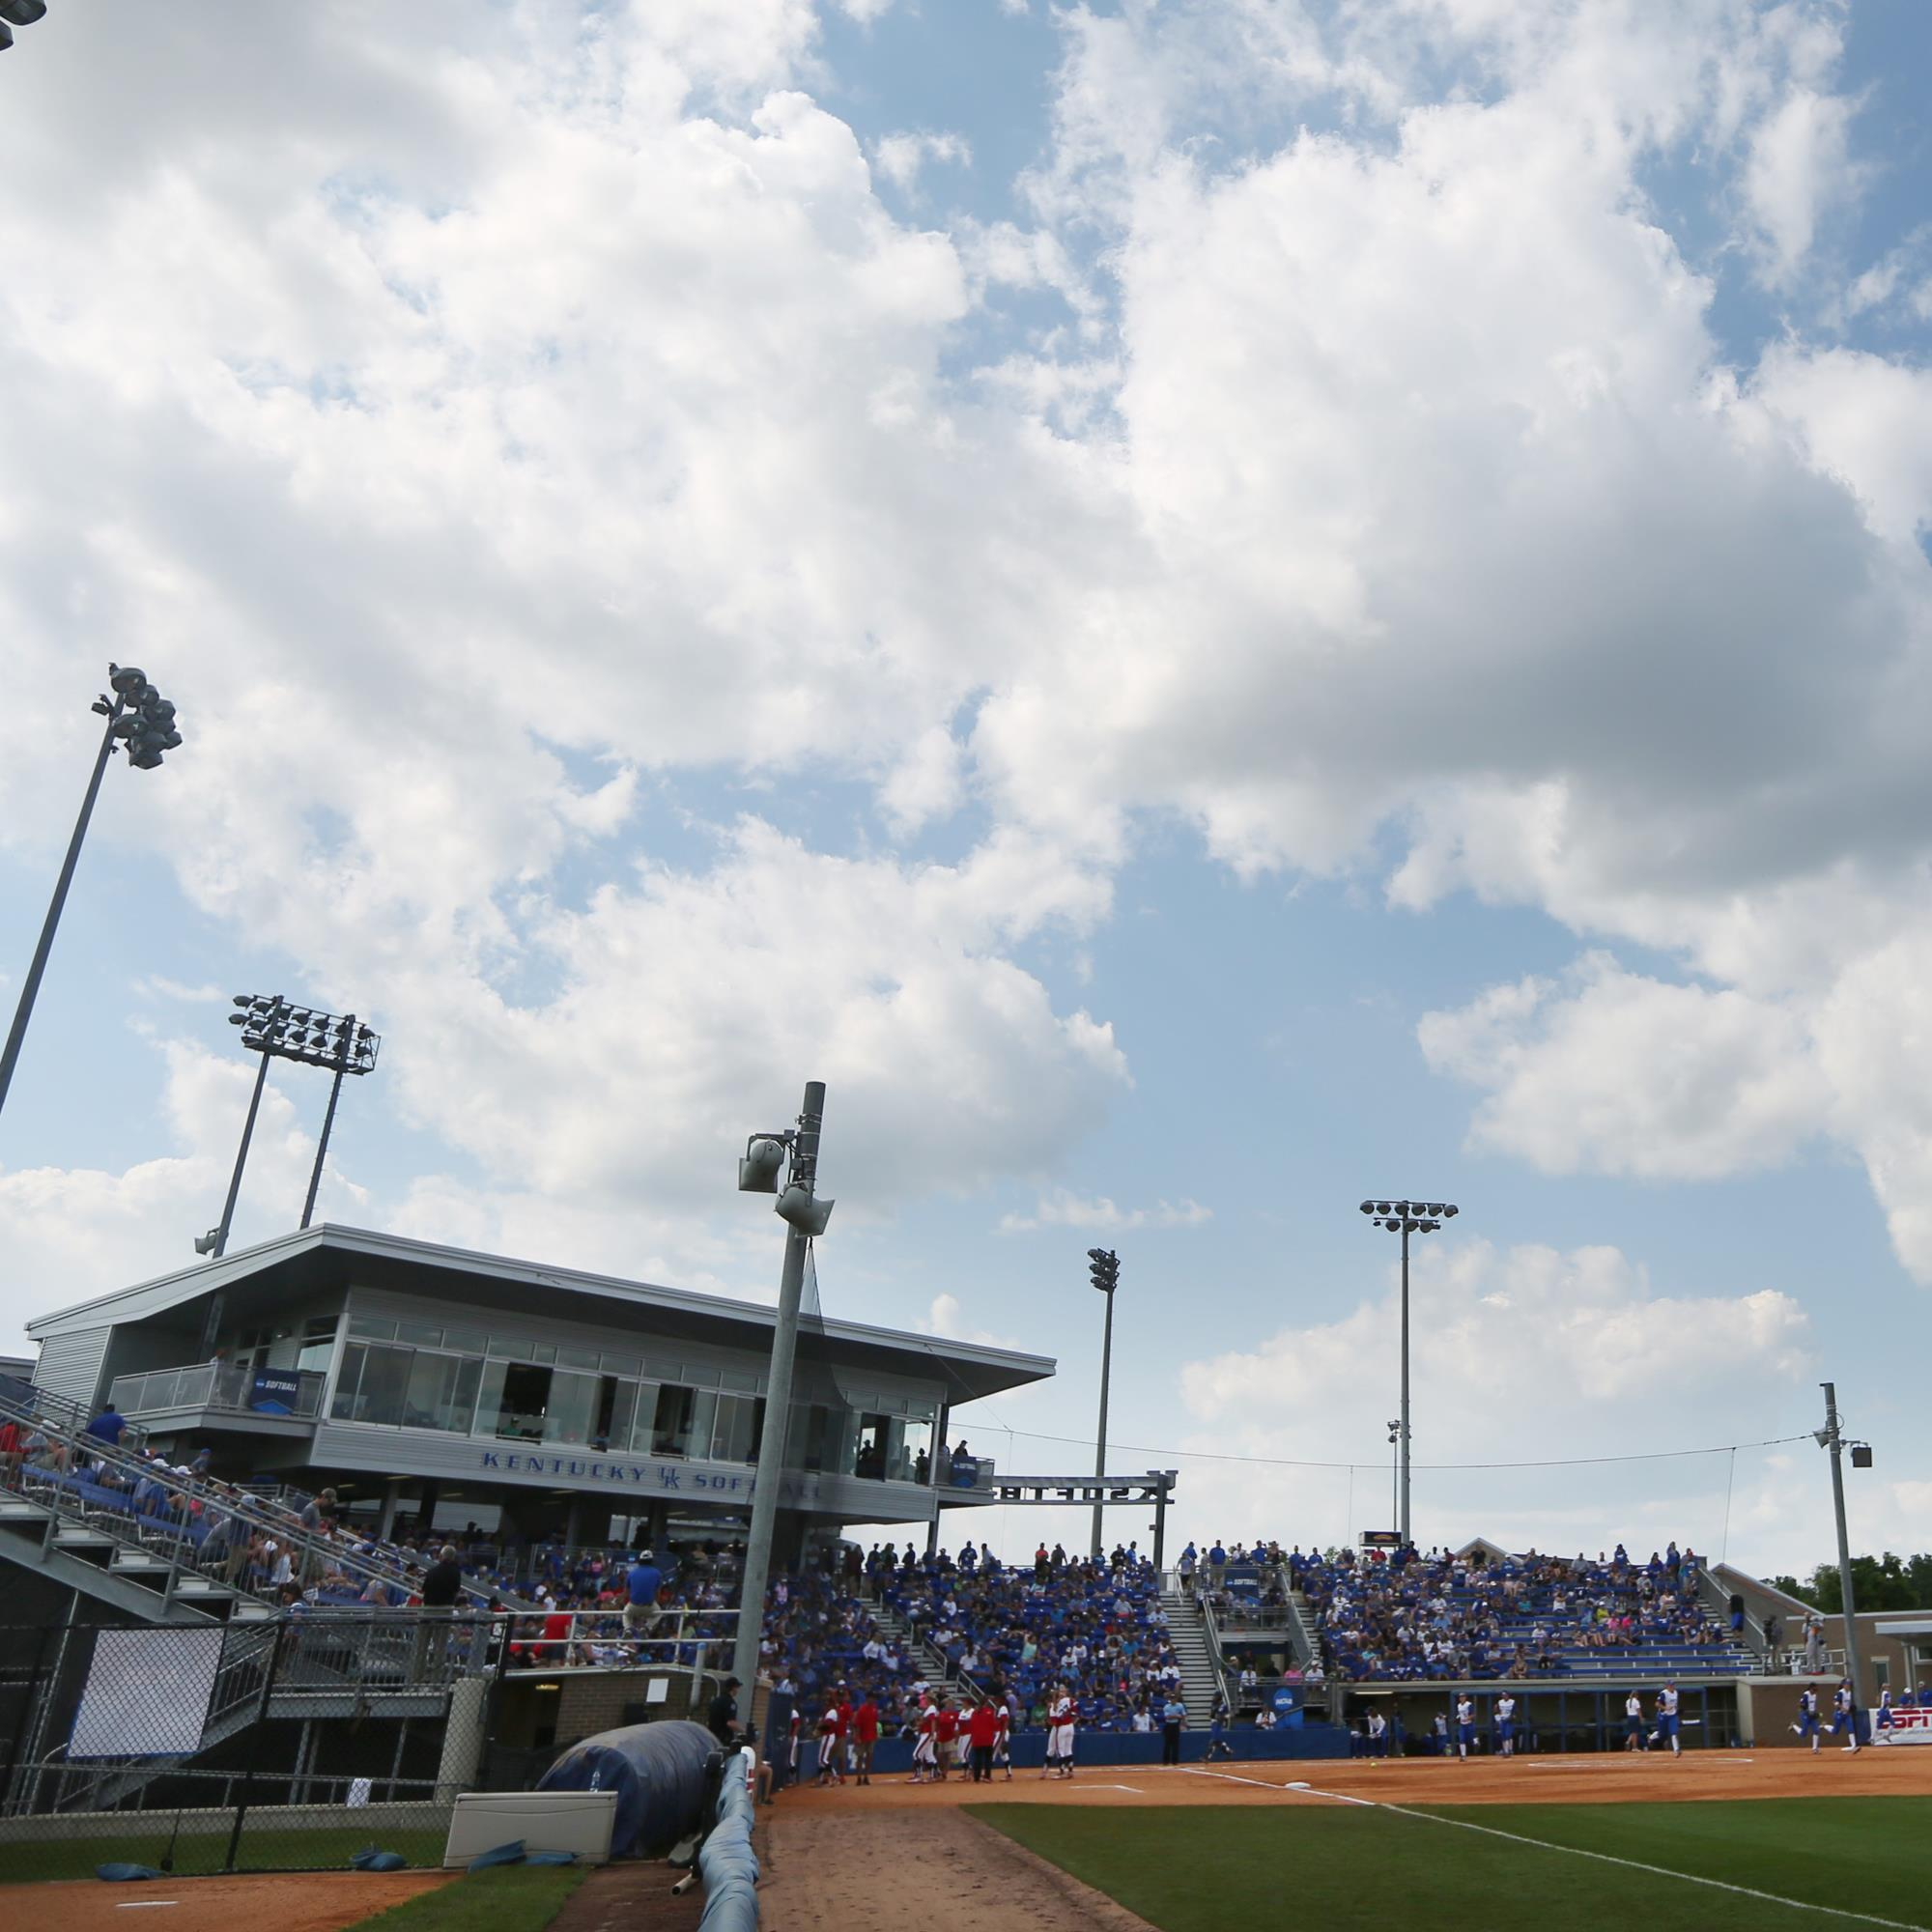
[(433, 1386)]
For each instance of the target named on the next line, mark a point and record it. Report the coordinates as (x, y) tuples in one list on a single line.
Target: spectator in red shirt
[(865, 1735), (981, 1728)]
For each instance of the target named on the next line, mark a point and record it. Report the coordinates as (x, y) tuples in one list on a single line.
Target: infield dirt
[(270, 1902)]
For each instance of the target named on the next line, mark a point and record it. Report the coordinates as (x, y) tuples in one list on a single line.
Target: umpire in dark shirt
[(721, 1716)]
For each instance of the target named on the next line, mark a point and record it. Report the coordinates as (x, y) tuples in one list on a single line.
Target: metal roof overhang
[(320, 1258)]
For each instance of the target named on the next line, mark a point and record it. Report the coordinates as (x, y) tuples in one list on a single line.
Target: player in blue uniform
[(1466, 1725), (1807, 1725), (1506, 1725), (1666, 1721), (1845, 1714)]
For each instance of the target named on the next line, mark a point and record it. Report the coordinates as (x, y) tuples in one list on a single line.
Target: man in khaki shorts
[(644, 1582)]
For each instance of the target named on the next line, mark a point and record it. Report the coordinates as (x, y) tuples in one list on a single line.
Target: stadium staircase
[(85, 1529), (1200, 1682), (933, 1665)]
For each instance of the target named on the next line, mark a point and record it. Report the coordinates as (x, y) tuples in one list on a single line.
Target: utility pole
[(1832, 1438), (141, 717), (805, 1217)]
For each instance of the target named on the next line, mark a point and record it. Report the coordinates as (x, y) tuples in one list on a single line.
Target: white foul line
[(1658, 1871)]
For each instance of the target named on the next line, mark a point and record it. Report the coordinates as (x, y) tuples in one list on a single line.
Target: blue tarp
[(657, 1771)]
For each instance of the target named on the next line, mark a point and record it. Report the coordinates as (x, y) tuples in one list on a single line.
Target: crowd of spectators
[(1017, 1630), (1404, 1615)]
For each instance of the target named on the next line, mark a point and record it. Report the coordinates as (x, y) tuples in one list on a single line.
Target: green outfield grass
[(1334, 1866), (510, 1898)]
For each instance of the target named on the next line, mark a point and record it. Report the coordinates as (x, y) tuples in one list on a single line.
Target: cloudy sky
[(1203, 608)]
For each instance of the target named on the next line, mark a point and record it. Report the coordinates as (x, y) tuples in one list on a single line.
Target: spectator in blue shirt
[(645, 1582), (109, 1425)]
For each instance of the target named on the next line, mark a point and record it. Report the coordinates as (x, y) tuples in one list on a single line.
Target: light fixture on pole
[(793, 1156), (1103, 1267), (1406, 1218), (276, 1029), (1831, 1438), (18, 13), (143, 721)]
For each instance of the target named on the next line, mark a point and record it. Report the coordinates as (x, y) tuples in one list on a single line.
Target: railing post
[(255, 1731)]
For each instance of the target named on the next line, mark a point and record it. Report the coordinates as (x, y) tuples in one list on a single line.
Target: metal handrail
[(171, 1534)]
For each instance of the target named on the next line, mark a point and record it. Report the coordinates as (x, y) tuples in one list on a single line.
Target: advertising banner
[(1907, 1727)]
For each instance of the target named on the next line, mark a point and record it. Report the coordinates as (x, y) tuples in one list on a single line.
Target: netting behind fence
[(262, 1747)]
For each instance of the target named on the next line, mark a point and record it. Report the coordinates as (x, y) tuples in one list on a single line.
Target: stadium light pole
[(1395, 1473), (1406, 1218), (1831, 1438), (142, 719), (1103, 1265), (794, 1152), (18, 13), (277, 1029)]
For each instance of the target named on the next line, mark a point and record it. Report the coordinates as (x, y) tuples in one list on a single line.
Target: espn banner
[(1907, 1727)]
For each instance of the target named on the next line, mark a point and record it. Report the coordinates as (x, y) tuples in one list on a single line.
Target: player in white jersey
[(1632, 1722), (1807, 1725), (1506, 1725), (1063, 1722), (1666, 1731), (1845, 1714), (1003, 1740), (926, 1745), (1466, 1724)]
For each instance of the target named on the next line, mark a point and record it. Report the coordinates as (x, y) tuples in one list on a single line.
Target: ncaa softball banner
[(1907, 1727)]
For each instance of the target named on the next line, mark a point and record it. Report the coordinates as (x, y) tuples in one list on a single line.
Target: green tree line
[(1885, 1582)]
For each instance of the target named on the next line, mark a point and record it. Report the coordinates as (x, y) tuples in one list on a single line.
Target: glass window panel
[(543, 1352), (382, 1381), (620, 1364), (370, 1325), (572, 1407), (512, 1401), (510, 1348), (643, 1425), (810, 1428), (698, 1376), (425, 1334), (868, 1446), (466, 1340), (315, 1354), (319, 1325), (617, 1411), (746, 1380), (577, 1358), (734, 1433), (676, 1415), (343, 1408), (443, 1393), (917, 1452)]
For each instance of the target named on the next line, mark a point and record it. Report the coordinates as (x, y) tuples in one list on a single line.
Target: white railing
[(224, 1385)]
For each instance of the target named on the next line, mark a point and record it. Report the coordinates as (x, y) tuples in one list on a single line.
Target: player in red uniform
[(981, 1728), (865, 1735)]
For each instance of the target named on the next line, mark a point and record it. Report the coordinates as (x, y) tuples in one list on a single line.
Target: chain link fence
[(274, 1745)]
